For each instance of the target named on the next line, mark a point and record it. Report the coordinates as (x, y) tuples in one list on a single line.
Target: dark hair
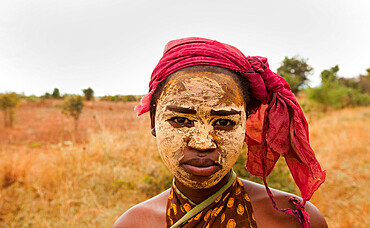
[(252, 104)]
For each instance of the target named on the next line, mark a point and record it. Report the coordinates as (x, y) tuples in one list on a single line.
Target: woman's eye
[(180, 121), (224, 123)]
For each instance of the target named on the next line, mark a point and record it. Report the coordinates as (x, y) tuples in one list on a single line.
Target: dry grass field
[(52, 176)]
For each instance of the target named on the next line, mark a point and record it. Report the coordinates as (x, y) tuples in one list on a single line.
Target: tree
[(8, 103), (73, 107), (46, 96), (56, 94), (337, 92), (362, 82), (295, 71), (329, 76), (89, 94)]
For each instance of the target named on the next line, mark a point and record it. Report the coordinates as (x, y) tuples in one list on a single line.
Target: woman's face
[(200, 126)]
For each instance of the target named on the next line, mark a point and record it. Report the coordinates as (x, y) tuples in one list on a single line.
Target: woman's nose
[(202, 140)]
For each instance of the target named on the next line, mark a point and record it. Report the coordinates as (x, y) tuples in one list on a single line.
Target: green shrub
[(73, 107), (338, 96), (45, 96), (56, 94), (89, 94), (8, 104), (338, 92), (123, 98), (31, 98)]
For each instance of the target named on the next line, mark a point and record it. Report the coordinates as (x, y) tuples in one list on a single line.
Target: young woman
[(205, 99)]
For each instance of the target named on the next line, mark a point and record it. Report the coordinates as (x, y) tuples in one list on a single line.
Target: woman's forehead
[(202, 87)]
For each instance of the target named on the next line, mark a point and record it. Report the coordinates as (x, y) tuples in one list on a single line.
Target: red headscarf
[(279, 127)]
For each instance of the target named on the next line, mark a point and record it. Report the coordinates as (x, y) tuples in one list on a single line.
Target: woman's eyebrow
[(180, 109), (224, 112)]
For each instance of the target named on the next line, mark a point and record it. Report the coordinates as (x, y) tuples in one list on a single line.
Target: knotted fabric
[(278, 128)]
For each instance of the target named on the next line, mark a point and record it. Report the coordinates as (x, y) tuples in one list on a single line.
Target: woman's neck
[(199, 195)]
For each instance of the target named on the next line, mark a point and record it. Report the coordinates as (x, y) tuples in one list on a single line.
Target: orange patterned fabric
[(231, 209)]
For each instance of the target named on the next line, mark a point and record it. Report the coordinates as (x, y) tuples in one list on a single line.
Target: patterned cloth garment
[(230, 209)]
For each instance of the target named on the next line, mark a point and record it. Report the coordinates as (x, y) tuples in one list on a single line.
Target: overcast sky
[(112, 46)]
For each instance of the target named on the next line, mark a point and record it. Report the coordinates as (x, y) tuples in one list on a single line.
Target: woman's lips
[(201, 171), (201, 167)]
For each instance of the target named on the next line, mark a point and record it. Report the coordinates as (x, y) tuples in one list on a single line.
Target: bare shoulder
[(150, 213), (266, 215)]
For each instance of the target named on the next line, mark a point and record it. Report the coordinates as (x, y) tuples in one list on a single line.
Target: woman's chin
[(200, 181)]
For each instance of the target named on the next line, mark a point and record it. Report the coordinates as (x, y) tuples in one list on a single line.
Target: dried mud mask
[(200, 126)]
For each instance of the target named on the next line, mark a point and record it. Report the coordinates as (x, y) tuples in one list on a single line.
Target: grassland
[(53, 176)]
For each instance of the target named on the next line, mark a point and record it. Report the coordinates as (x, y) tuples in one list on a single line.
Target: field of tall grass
[(53, 176)]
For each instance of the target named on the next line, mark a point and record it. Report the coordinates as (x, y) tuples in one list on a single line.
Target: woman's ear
[(153, 132), (152, 124)]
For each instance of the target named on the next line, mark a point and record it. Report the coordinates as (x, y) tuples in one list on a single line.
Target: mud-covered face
[(200, 126)]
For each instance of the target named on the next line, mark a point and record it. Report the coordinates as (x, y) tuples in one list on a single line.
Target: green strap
[(182, 195), (200, 207)]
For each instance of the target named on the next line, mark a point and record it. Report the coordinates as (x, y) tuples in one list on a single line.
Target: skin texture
[(191, 126), (198, 134)]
